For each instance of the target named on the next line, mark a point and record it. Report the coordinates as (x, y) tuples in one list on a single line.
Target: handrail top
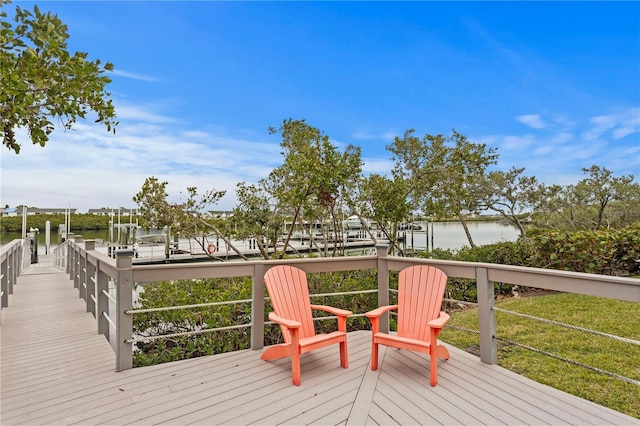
[(517, 275)]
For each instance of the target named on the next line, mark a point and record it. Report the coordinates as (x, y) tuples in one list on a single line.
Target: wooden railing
[(12, 260), (91, 272)]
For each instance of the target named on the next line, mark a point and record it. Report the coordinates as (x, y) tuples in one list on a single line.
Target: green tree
[(517, 197), (441, 173), (385, 201), (600, 189), (418, 162), (457, 190), (254, 218), (42, 82), (185, 218), (311, 182)]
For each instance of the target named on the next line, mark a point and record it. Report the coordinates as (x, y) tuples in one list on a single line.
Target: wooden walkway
[(56, 370)]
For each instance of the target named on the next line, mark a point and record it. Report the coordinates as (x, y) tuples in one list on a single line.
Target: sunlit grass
[(604, 315)]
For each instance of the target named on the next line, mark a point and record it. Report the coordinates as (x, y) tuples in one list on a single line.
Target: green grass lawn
[(605, 315)]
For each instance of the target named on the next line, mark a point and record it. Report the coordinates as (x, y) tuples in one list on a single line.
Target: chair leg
[(344, 355), (374, 356), (295, 367), (433, 364)]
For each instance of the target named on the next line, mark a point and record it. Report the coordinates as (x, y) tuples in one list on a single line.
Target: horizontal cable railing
[(564, 359), (570, 361), (83, 262), (147, 339), (546, 353), (569, 326)]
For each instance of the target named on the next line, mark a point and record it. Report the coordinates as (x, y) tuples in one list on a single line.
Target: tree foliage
[(310, 184), (41, 81), (253, 217), (186, 218), (318, 185), (441, 173), (599, 201), (515, 196)]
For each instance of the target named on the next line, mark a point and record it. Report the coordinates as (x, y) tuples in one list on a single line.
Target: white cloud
[(364, 135), (89, 167), (377, 165), (517, 142), (142, 113), (543, 150), (532, 120), (621, 123), (562, 137), (134, 76)]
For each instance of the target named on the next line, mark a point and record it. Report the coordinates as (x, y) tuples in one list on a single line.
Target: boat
[(353, 222), (409, 226), (151, 238)]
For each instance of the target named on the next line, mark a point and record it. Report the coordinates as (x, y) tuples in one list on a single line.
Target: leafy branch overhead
[(41, 82)]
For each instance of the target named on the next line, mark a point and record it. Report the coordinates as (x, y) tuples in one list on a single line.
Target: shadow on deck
[(57, 370)]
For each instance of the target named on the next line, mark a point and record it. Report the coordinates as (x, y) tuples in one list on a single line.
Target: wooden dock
[(56, 370)]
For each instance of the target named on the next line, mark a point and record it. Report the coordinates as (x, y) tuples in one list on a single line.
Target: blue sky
[(554, 86)]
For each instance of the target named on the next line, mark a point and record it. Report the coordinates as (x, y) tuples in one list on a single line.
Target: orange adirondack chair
[(289, 292), (420, 293)]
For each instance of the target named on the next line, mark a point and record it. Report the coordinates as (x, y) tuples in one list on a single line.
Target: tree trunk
[(466, 229), (523, 232)]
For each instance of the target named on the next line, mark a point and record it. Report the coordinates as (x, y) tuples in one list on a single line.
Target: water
[(444, 235), (451, 235)]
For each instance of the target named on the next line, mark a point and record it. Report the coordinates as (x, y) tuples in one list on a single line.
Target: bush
[(193, 292), (605, 252), (609, 252)]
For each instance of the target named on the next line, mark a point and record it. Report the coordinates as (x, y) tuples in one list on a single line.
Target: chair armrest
[(440, 321), (376, 313), (332, 310), (283, 321)]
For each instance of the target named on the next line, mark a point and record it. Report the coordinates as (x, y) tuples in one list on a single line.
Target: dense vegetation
[(78, 222), (186, 292)]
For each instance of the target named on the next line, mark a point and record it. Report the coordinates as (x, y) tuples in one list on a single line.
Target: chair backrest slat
[(289, 293), (420, 293)]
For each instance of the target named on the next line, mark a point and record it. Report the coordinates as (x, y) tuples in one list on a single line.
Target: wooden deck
[(56, 370)]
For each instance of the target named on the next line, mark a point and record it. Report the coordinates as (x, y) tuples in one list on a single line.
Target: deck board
[(57, 370)]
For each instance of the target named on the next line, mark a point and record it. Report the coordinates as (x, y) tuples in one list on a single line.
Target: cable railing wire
[(570, 361), (549, 354), (572, 327)]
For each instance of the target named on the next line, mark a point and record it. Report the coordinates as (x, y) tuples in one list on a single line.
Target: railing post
[(257, 307), (69, 256), (77, 265), (74, 266), (124, 303), (90, 277), (102, 309), (17, 265), (486, 317), (4, 286), (14, 268), (383, 284), (82, 273)]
